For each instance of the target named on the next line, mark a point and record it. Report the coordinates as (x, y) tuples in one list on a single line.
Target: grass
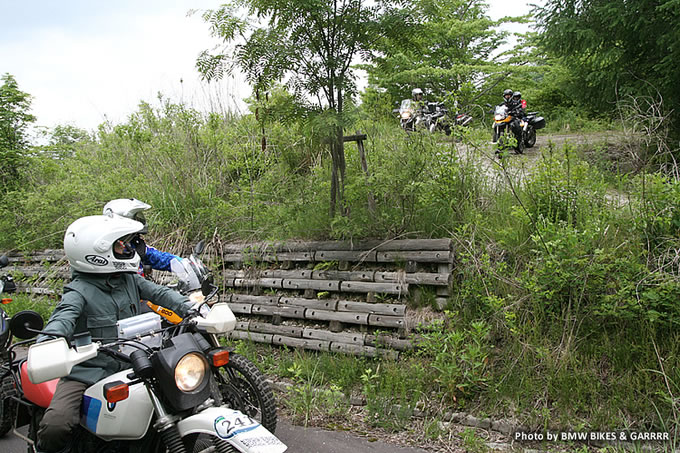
[(564, 307)]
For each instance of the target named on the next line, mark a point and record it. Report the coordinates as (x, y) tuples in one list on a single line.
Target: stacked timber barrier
[(337, 296)]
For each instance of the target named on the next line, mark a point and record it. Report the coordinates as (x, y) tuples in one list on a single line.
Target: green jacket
[(94, 302)]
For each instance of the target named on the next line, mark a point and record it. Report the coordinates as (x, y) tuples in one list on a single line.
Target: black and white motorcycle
[(167, 401)]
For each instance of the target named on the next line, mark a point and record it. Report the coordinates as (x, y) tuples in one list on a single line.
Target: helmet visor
[(139, 216), (123, 248)]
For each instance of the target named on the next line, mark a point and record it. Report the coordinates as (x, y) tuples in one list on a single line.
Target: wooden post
[(364, 167)]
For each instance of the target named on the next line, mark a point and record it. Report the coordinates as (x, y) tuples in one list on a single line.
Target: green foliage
[(20, 302), (442, 47), (563, 188), (458, 357), (14, 121), (613, 48)]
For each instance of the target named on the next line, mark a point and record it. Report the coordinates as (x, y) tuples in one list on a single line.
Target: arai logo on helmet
[(96, 260)]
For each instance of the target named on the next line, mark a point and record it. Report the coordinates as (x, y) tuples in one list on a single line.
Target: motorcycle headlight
[(498, 117), (190, 372), (406, 115)]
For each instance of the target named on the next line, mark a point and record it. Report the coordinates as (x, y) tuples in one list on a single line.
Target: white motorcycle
[(165, 401)]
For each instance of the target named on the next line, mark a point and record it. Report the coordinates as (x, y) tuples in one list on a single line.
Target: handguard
[(220, 319), (54, 359)]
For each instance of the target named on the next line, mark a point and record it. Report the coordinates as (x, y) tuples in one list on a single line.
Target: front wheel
[(7, 405), (520, 144), (530, 137), (243, 387)]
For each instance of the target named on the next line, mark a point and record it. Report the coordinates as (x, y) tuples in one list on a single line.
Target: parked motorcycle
[(529, 124), (242, 386), (165, 401), (7, 284), (410, 115), (521, 128)]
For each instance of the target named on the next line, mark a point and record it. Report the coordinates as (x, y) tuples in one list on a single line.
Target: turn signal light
[(116, 391), (6, 300), (220, 358)]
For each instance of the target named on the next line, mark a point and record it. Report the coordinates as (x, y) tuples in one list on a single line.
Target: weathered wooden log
[(51, 256), (242, 325), (345, 337), (360, 350), (263, 310), (257, 282), (379, 309), (245, 309), (364, 287), (234, 273), (252, 336), (448, 267), (322, 304), (354, 138), (365, 276), (386, 321), (441, 303), (291, 311), (62, 272), (341, 255), (316, 345), (444, 256), (385, 341), (418, 278), (294, 274), (259, 300), (319, 285), (288, 331), (30, 289), (280, 257), (346, 317), (306, 246)]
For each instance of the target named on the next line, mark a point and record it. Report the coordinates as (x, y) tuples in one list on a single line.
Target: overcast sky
[(86, 61)]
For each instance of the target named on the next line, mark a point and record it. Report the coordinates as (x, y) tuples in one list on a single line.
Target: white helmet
[(415, 92), (127, 207), (89, 241)]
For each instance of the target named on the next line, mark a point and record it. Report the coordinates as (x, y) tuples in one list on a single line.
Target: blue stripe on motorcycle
[(243, 430), (91, 409)]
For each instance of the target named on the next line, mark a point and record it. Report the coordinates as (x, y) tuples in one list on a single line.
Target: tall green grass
[(564, 309)]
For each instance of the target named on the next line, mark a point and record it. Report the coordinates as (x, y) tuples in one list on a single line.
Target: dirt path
[(518, 166)]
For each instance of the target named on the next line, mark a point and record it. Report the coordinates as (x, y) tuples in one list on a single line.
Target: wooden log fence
[(336, 296)]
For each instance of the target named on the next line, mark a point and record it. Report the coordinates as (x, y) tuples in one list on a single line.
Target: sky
[(86, 62)]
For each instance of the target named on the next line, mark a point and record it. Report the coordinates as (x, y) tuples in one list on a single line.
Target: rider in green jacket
[(105, 288)]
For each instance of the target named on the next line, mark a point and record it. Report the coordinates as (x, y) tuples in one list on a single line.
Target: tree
[(614, 48), (442, 46), (310, 44), (14, 121)]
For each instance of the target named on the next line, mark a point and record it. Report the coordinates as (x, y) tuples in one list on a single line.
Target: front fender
[(234, 427)]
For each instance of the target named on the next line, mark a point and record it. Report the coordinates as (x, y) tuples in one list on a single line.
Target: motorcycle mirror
[(207, 286), (198, 248), (26, 324), (4, 261)]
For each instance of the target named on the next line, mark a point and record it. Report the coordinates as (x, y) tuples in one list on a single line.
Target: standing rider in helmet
[(417, 95), (151, 258), (520, 105), (507, 98), (105, 288)]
